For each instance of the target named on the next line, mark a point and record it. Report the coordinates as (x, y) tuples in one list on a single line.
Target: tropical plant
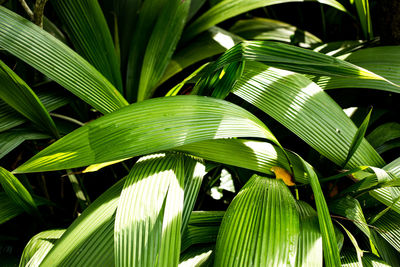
[(201, 145)]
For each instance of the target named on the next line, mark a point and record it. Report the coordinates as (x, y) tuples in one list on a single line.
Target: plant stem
[(38, 12), (82, 197)]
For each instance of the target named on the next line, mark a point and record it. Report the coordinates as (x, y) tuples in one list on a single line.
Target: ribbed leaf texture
[(230, 8), (16, 93), (57, 61), (90, 35), (306, 110), (154, 192), (148, 127), (260, 227), (38, 247)]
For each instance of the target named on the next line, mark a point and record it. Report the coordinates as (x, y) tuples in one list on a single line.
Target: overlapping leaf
[(384, 61), (306, 110), (230, 8), (161, 45), (260, 227), (16, 93), (38, 247), (17, 192), (90, 35), (50, 56), (146, 127)]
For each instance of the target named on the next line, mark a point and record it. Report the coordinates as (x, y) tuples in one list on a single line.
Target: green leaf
[(90, 35), (383, 60), (229, 8), (388, 226), (126, 12), (50, 56), (38, 247), (16, 93), (349, 259), (88, 241), (8, 208), (212, 42), (292, 58), (147, 127), (273, 30), (384, 133), (309, 251), (202, 228), (329, 241), (13, 138), (358, 138), (194, 173), (253, 155), (363, 12), (9, 118), (17, 192), (153, 191), (164, 38), (196, 256), (261, 223), (350, 208), (306, 110), (147, 18)]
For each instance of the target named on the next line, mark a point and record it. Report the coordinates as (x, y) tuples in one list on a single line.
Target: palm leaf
[(358, 138), (147, 127), (260, 227), (38, 247), (50, 56), (309, 252), (161, 45), (212, 42), (254, 155), (16, 93), (306, 110), (11, 139), (229, 8), (196, 256), (384, 61), (273, 30), (329, 240), (8, 208), (90, 35), (9, 118), (153, 191), (17, 192), (146, 20), (88, 241)]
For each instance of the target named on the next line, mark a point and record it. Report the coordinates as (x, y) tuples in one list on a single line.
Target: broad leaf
[(229, 8), (153, 191), (13, 138), (8, 208), (273, 30), (309, 252), (38, 247), (53, 58), (90, 35), (306, 110), (147, 127), (254, 155), (164, 38), (17, 192), (358, 138), (384, 61), (260, 227), (88, 241), (16, 93)]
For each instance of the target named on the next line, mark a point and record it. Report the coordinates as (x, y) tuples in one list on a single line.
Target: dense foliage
[(198, 133)]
